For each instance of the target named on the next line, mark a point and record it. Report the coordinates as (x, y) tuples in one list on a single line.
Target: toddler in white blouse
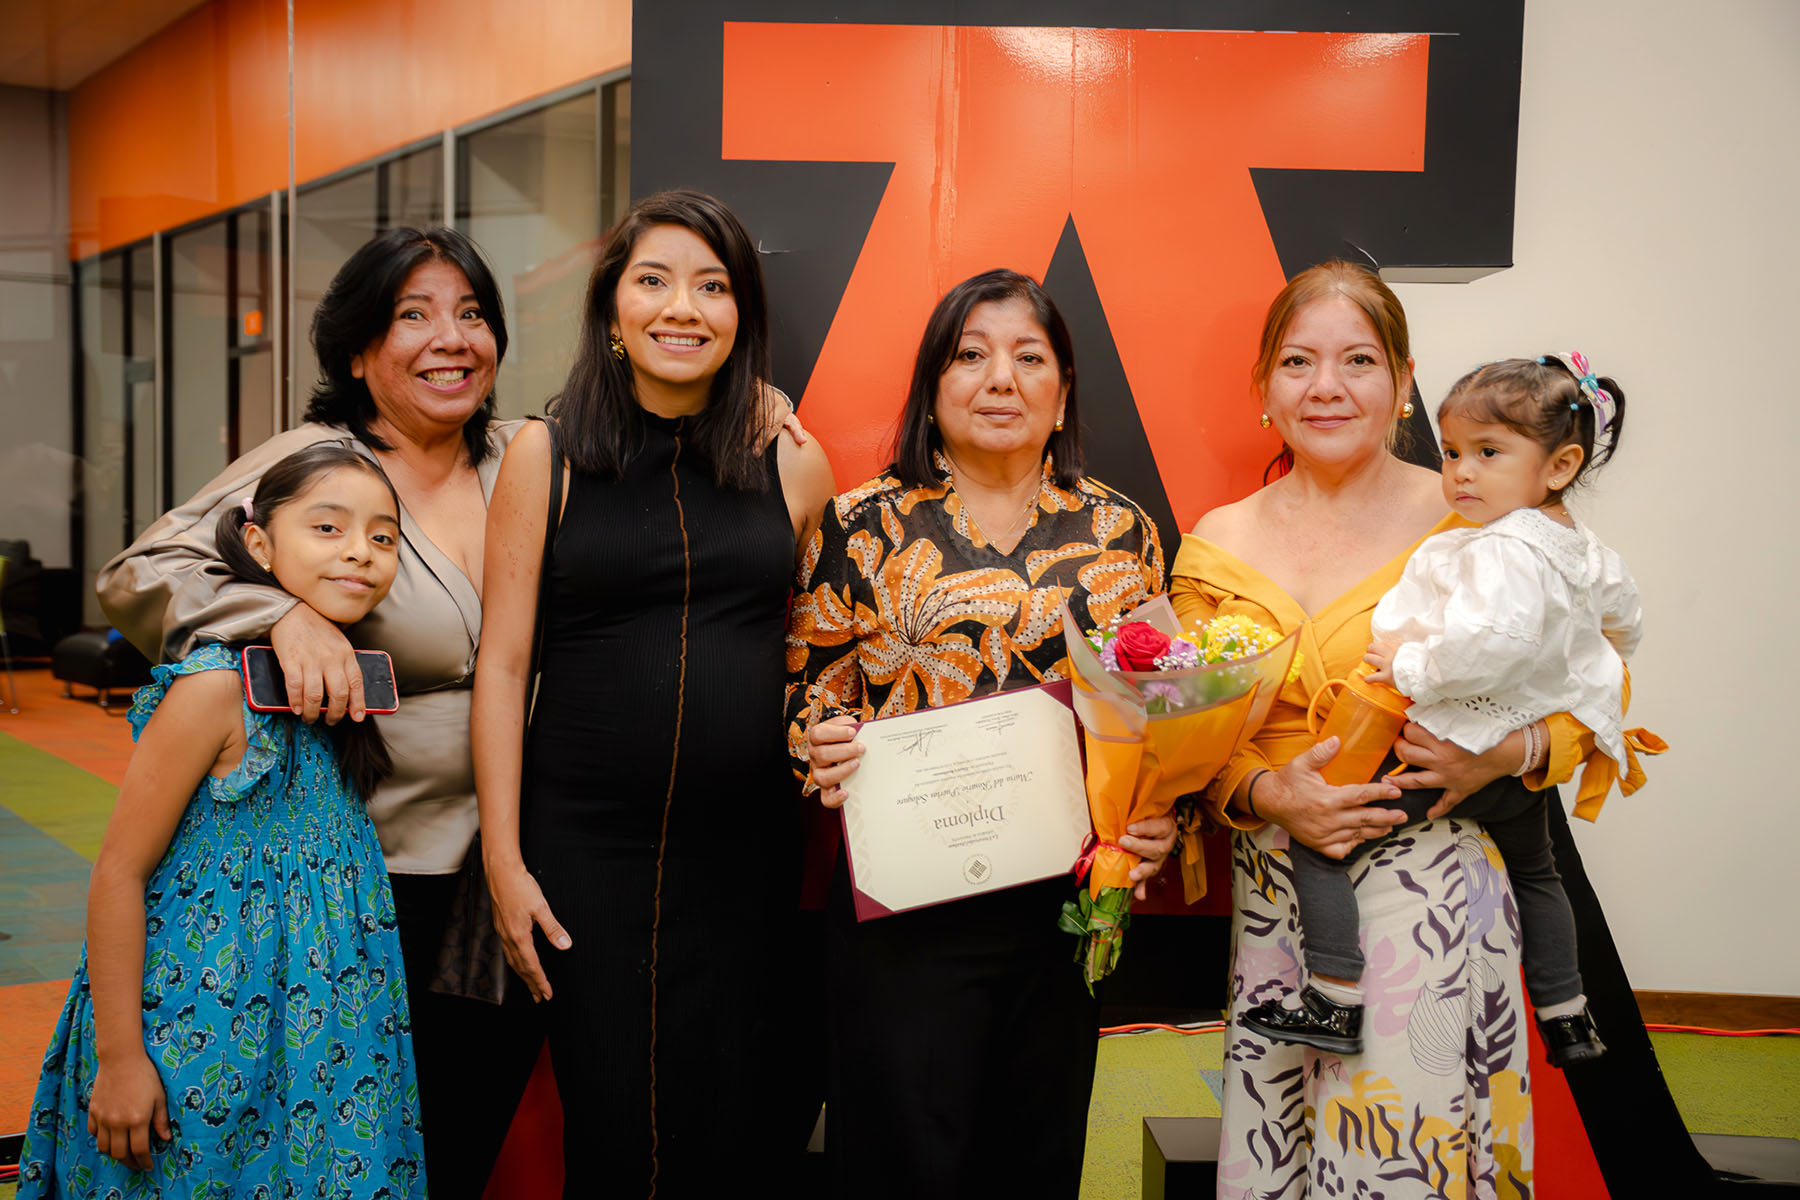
[(1493, 628)]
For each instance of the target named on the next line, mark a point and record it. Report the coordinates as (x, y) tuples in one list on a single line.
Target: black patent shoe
[(1570, 1040), (1319, 1022)]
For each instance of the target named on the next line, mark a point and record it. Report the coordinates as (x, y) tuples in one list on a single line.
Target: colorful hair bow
[(1599, 397)]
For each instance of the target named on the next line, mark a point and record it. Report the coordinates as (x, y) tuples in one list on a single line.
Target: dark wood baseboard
[(1719, 1010)]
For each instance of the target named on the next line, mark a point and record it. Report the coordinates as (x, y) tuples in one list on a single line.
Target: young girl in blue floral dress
[(238, 1024)]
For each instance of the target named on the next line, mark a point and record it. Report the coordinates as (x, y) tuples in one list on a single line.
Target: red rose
[(1139, 645)]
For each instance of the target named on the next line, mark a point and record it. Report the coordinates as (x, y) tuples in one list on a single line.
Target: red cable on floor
[(1217, 1026), (1146, 1027), (1720, 1032)]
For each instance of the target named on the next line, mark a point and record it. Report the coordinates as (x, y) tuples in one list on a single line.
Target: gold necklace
[(1015, 529), (1020, 523)]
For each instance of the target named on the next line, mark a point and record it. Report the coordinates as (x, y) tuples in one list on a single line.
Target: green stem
[(1099, 925)]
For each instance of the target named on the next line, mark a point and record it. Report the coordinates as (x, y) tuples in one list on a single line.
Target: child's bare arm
[(196, 728)]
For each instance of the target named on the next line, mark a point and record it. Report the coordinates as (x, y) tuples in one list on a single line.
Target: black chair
[(101, 660), (41, 605)]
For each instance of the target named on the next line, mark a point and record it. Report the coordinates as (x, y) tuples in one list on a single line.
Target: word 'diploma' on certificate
[(1002, 773)]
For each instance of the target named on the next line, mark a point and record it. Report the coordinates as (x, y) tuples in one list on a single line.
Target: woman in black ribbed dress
[(656, 847)]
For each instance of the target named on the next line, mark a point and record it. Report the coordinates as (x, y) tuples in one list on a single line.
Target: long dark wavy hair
[(362, 754), (602, 423), (358, 307), (917, 437)]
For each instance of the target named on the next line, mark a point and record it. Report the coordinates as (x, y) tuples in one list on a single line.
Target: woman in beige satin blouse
[(409, 336)]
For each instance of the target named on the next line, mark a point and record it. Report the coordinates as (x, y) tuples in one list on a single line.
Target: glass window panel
[(530, 200), (142, 304), (146, 482), (255, 400), (615, 183), (38, 469), (199, 357), (331, 221), (250, 306), (254, 363), (146, 489), (109, 326), (100, 283), (416, 189)]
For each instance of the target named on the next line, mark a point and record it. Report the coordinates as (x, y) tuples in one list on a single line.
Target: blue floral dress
[(274, 1002)]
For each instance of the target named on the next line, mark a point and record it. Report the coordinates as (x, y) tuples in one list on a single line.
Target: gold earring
[(1059, 424), (618, 346), (1265, 422), (1406, 410)]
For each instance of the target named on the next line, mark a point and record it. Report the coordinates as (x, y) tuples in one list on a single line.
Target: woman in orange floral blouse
[(961, 1036)]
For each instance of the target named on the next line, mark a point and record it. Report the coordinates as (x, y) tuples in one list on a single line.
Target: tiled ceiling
[(56, 44)]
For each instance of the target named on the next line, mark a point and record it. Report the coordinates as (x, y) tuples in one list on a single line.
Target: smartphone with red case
[(265, 687)]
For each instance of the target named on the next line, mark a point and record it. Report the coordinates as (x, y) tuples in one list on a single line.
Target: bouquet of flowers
[(1162, 709)]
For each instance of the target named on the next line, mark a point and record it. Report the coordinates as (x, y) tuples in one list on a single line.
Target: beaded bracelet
[(1525, 763), (1537, 747)]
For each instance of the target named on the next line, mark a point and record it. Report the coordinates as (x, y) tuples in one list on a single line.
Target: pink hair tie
[(249, 510)]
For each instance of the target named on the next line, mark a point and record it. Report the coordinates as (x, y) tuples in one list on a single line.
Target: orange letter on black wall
[(998, 137)]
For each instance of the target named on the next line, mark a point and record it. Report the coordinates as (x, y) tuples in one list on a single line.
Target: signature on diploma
[(916, 744), (997, 723)]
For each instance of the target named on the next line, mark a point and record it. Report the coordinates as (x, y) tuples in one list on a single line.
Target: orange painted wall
[(194, 121)]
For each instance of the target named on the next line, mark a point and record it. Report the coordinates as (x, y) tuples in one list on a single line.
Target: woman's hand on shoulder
[(779, 415), (1332, 820), (1437, 763), (128, 1105), (319, 664), (834, 752), (519, 910)]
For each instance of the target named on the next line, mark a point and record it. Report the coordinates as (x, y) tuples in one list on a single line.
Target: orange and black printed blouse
[(901, 604)]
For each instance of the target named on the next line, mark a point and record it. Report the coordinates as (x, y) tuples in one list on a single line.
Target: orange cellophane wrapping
[(1141, 778), (1139, 763)]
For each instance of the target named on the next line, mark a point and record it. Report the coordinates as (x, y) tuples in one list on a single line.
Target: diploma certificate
[(950, 802)]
